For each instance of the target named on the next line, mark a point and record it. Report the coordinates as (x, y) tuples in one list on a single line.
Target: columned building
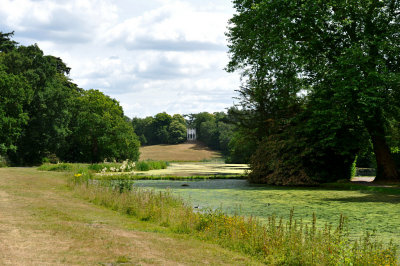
[(191, 134)]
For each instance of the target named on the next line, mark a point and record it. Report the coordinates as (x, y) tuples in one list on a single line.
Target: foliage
[(160, 129), (277, 242), (60, 167), (140, 176), (3, 161), (150, 165), (38, 103), (100, 131), (177, 132), (336, 60), (241, 147)]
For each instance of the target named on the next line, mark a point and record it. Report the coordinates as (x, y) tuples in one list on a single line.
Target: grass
[(275, 242), (151, 165), (64, 167), (43, 222), (158, 169), (125, 166), (193, 152), (166, 177), (366, 210)]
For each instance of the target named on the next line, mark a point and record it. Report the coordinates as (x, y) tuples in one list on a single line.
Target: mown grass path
[(42, 222)]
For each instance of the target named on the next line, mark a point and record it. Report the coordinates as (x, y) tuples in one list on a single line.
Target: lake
[(364, 210)]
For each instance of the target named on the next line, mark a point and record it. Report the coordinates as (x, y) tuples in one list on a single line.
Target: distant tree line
[(44, 115), (220, 131), (217, 130), (160, 129)]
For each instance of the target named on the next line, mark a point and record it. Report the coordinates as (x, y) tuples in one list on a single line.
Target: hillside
[(189, 151)]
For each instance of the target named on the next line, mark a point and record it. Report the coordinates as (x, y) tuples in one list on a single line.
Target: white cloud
[(153, 56)]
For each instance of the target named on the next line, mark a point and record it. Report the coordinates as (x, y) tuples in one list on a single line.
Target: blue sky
[(152, 55)]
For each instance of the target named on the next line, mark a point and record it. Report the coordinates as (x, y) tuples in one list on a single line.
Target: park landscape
[(303, 170)]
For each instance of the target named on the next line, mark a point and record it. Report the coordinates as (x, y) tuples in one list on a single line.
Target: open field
[(365, 210), (199, 169), (42, 222), (191, 151)]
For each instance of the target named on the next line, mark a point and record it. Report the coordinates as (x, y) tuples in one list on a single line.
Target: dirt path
[(43, 223)]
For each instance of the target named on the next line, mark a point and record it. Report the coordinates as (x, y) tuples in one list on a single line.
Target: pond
[(364, 210)]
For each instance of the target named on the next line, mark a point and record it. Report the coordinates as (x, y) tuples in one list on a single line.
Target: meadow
[(190, 151)]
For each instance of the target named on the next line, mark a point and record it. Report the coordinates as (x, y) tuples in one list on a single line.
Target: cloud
[(152, 56), (58, 21), (148, 43), (175, 26)]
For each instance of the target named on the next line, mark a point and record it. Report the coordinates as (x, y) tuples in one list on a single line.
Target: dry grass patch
[(44, 223), (191, 151)]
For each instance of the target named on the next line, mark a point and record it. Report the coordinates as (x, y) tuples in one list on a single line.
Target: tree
[(36, 95), (342, 56), (177, 132), (177, 129), (101, 131)]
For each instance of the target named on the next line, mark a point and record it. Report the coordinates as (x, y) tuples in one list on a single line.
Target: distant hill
[(190, 151)]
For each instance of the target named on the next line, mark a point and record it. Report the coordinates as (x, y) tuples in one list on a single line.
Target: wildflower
[(78, 175)]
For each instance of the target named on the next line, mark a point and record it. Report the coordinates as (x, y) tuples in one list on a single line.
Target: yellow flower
[(78, 175)]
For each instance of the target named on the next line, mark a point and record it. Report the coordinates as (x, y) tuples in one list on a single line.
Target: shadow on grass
[(198, 146), (370, 197)]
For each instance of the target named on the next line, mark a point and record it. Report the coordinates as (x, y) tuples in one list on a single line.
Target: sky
[(150, 55)]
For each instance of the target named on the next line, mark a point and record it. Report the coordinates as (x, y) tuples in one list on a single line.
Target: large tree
[(100, 130), (341, 56)]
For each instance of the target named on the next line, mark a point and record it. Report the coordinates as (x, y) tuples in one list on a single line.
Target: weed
[(151, 165), (275, 242)]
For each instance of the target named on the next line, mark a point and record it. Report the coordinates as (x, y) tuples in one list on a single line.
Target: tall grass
[(150, 165), (125, 166), (276, 242), (60, 167), (142, 176)]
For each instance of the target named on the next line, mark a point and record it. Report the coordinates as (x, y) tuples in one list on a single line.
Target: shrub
[(3, 161), (60, 167), (151, 165), (51, 158)]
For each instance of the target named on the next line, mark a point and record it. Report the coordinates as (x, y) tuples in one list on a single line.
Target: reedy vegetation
[(276, 242), (103, 168)]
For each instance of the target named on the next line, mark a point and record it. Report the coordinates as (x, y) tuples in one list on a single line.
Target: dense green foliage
[(220, 131), (160, 129), (150, 165), (100, 130), (43, 114), (320, 84), (217, 130)]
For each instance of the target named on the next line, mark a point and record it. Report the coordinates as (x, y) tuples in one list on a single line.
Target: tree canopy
[(326, 72), (43, 113)]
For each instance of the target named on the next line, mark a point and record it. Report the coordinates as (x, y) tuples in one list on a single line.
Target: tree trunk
[(386, 169)]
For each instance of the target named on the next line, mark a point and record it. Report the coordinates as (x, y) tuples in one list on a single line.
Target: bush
[(3, 161), (51, 158), (60, 167), (150, 165)]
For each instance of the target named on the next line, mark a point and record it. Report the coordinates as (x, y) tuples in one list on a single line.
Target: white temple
[(191, 134)]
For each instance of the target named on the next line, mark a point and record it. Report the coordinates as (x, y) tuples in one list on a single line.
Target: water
[(364, 211)]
